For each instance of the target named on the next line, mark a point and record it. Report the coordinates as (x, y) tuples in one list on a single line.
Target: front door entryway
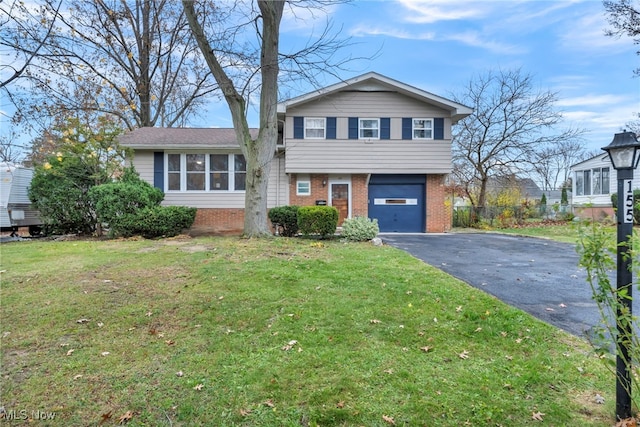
[(340, 200)]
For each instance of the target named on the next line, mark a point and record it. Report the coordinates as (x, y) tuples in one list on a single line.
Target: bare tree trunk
[(258, 152)]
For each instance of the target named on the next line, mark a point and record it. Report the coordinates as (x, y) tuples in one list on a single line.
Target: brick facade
[(218, 221), (439, 215), (231, 221)]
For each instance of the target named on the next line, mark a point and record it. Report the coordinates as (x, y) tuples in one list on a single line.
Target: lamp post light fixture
[(624, 154)]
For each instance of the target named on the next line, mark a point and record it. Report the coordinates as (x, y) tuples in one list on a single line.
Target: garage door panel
[(398, 207)]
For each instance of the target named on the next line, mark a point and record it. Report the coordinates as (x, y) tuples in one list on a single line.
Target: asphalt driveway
[(539, 276)]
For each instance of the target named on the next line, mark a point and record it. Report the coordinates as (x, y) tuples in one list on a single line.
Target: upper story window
[(592, 181), (202, 172), (314, 128), (422, 128), (369, 129)]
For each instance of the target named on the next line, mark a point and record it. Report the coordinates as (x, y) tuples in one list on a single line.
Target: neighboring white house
[(594, 181)]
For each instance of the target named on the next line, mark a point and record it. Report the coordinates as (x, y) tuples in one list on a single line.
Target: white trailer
[(15, 207)]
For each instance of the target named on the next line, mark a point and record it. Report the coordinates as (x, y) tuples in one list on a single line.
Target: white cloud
[(476, 39), (431, 11), (363, 30), (600, 100)]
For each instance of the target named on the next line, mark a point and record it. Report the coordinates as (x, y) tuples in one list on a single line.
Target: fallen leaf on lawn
[(198, 387), (105, 353), (435, 320), (409, 292), (389, 420), (77, 377), (518, 340), (503, 334), (627, 422), (220, 298), (374, 321), (245, 412), (599, 399), (81, 321), (340, 404), (148, 314), (169, 342), (426, 348), (478, 330), (537, 416), (464, 355), (458, 309), (269, 403), (126, 417), (289, 345), (179, 374), (105, 417), (100, 324), (64, 345), (509, 357), (70, 352), (388, 371), (153, 331)]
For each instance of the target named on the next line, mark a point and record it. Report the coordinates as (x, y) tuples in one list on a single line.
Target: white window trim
[(208, 171), (341, 180), (324, 128), (591, 171), (361, 128), (413, 128), (303, 179)]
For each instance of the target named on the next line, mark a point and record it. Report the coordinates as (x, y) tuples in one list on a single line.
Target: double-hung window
[(369, 129), (422, 128), (314, 128), (303, 185), (202, 172)]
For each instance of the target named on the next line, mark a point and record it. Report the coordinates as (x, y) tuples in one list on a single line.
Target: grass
[(562, 232), (283, 332)]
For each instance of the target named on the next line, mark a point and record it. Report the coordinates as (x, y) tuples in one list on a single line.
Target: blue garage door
[(398, 202)]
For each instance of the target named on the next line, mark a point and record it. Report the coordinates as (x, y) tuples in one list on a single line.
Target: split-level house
[(370, 146)]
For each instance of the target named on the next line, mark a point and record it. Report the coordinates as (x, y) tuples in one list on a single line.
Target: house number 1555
[(628, 202)]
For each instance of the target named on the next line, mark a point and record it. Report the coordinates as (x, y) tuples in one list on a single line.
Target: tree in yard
[(134, 60), (242, 69), (551, 164), (60, 186), (510, 124), (624, 18)]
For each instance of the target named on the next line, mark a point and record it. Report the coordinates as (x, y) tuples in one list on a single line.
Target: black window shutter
[(438, 128), (353, 128), (298, 127), (385, 128), (158, 169), (407, 128), (331, 128)]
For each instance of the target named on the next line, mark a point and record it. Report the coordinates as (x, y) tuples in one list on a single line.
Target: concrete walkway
[(539, 276)]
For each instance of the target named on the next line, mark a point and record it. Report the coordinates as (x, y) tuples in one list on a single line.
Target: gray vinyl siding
[(344, 155), (358, 156), (278, 194)]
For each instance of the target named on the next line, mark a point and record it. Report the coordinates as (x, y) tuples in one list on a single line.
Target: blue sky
[(439, 45)]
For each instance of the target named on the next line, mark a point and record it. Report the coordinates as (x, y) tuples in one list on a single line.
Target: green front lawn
[(282, 332)]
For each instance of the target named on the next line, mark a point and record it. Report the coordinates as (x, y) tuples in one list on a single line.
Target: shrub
[(285, 220), (59, 191), (156, 221), (636, 204), (114, 200), (322, 220), (360, 228)]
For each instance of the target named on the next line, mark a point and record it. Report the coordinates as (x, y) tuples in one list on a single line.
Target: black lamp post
[(624, 155)]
